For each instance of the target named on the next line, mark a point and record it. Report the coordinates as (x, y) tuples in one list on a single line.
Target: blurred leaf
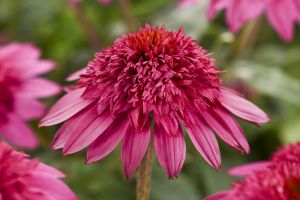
[(192, 19), (270, 81), (291, 131), (177, 189)]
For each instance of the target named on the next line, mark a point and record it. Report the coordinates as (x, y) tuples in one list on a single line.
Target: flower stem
[(144, 176), (246, 39)]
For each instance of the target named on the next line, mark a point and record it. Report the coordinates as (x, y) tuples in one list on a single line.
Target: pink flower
[(184, 3), (277, 179), (20, 87), (282, 14), (152, 74), (24, 179)]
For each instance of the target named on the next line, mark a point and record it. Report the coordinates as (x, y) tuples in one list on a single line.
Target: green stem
[(144, 176), (246, 39)]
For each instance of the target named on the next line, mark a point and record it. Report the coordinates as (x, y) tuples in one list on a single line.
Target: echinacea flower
[(279, 182), (152, 74), (20, 87), (277, 179), (282, 14), (22, 178)]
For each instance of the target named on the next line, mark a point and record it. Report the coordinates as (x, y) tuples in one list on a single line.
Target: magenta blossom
[(24, 179), (277, 179), (20, 87), (152, 74), (282, 14)]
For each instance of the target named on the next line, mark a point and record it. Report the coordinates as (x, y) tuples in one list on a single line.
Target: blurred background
[(259, 64)]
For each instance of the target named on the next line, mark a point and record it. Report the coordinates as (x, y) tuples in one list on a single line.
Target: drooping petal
[(226, 127), (39, 67), (74, 126), (108, 141), (220, 196), (245, 170), (242, 107), (205, 142), (66, 107), (215, 6), (282, 21), (28, 109), (76, 75), (170, 150), (169, 123), (51, 188), (80, 140), (46, 170), (39, 87), (17, 132), (134, 147)]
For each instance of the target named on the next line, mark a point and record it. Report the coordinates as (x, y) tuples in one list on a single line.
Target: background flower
[(281, 14), (22, 178), (277, 179), (20, 86)]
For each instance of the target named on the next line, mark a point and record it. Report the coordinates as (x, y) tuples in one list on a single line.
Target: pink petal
[(134, 147), (282, 21), (108, 141), (76, 75), (215, 6), (225, 195), (51, 188), (66, 107), (247, 169), (39, 67), (28, 109), (81, 140), (169, 123), (242, 107), (226, 127), (46, 170), (74, 126), (234, 15), (17, 132), (39, 87), (170, 150), (205, 142)]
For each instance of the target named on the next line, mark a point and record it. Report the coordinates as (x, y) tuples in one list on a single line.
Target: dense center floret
[(154, 70)]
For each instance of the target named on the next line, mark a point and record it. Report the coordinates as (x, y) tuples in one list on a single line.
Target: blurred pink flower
[(24, 179), (184, 3), (152, 74), (20, 88), (282, 14), (277, 179)]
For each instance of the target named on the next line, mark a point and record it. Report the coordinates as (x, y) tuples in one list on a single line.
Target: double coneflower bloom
[(281, 14), (24, 179), (20, 87), (154, 77), (277, 179)]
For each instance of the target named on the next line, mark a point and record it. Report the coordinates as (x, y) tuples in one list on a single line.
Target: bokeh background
[(260, 65)]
